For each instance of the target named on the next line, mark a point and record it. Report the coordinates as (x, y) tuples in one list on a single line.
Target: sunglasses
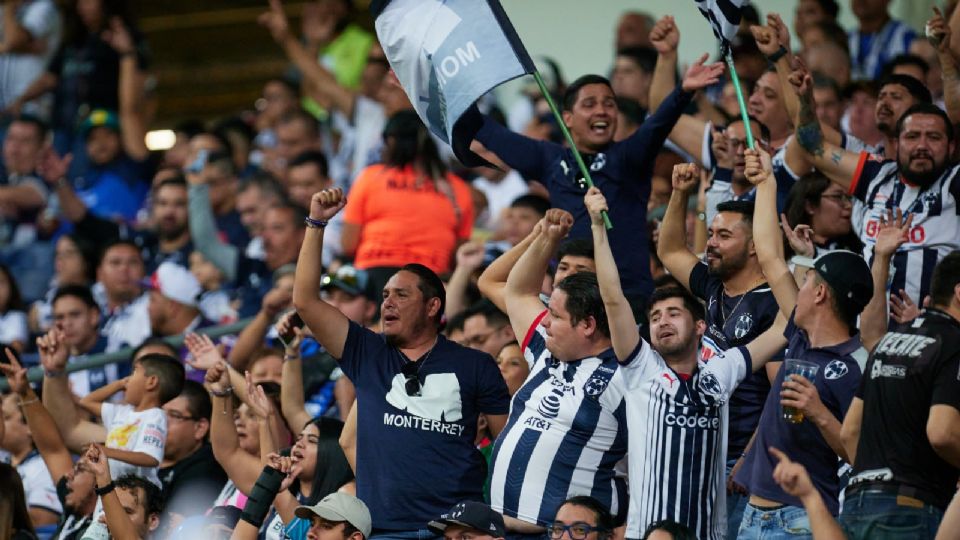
[(411, 371)]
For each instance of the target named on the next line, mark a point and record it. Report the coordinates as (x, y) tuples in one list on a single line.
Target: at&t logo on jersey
[(549, 406)]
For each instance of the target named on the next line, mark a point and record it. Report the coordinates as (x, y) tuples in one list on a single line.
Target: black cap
[(848, 275), (474, 515)]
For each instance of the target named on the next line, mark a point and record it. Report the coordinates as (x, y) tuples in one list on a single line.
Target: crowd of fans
[(766, 344)]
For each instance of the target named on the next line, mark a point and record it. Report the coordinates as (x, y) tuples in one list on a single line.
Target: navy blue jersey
[(622, 171), (733, 321)]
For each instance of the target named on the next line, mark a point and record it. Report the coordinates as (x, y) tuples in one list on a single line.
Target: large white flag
[(724, 18), (447, 54)]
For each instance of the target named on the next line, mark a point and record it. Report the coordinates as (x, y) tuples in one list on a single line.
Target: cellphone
[(290, 335), (196, 167)]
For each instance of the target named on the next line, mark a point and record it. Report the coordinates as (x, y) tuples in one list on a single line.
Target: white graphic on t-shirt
[(743, 326), (439, 397), (835, 370)]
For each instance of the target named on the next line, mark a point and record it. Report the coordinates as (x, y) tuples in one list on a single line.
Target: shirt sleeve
[(465, 202), (868, 167), (108, 411), (730, 367), (700, 281), (360, 352), (519, 152), (153, 435), (841, 390), (946, 384), (40, 490), (641, 148), (492, 394)]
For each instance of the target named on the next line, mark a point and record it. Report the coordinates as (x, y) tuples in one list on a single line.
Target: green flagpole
[(740, 101), (566, 135)]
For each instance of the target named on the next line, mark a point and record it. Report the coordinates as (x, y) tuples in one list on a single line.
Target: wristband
[(101, 491), (314, 223), (289, 357), (261, 496), (52, 373), (781, 52), (222, 393)]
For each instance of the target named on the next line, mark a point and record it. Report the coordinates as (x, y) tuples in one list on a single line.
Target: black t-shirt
[(191, 485), (733, 321), (914, 367)]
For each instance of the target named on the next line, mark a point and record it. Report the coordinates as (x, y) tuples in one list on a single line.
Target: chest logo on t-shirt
[(598, 162), (710, 385), (119, 437), (835, 370), (743, 326), (439, 398)]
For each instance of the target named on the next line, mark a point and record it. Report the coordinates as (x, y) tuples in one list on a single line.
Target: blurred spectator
[(308, 173), (74, 263), (13, 312), (487, 329), (31, 35), (860, 118), (341, 44), (254, 196), (501, 187), (297, 132), (77, 315), (215, 302), (811, 12), (381, 232), (633, 30), (15, 522), (632, 74), (826, 93), (877, 39), (513, 366), (120, 295), (215, 169), (828, 59), (173, 308), (279, 97)]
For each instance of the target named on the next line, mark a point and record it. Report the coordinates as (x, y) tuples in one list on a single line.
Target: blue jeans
[(788, 522), (736, 503), (421, 534), (875, 515)]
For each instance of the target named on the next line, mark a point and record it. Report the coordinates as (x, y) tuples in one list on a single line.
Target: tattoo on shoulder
[(836, 157)]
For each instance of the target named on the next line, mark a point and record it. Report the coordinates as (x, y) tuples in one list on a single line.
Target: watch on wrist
[(101, 491), (781, 52)]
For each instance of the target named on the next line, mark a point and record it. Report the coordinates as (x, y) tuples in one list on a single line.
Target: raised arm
[(92, 402), (493, 280), (253, 335), (348, 437), (320, 81), (133, 127), (120, 526), (291, 389), (203, 227), (672, 247), (766, 231), (327, 323), (942, 39), (794, 480), (838, 164), (850, 430), (522, 293), (469, 258), (57, 397), (893, 231), (43, 430), (270, 423), (624, 333), (240, 466)]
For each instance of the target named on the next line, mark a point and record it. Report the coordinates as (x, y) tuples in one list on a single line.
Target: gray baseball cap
[(340, 507)]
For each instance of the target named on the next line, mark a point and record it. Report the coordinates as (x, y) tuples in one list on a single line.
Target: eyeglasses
[(411, 370), (175, 415), (577, 531), (480, 339), (839, 198)]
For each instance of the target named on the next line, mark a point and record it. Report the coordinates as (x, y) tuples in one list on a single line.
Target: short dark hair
[(845, 311), (825, 81), (916, 88), (14, 298), (926, 108), (297, 212), (834, 33), (118, 242), (174, 181), (152, 500), (168, 370), (288, 84), (198, 400), (644, 57), (301, 115), (584, 300), (905, 59), (690, 302), (430, 285), (606, 522), (946, 277), (744, 208), (630, 109), (572, 93), (490, 313), (676, 530), (154, 341), (534, 202), (265, 182), (577, 247), (80, 292), (455, 322), (764, 130), (38, 124), (313, 157)]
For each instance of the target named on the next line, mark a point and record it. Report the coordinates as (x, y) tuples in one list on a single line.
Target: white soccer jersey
[(565, 434), (678, 440), (935, 230), (37, 484)]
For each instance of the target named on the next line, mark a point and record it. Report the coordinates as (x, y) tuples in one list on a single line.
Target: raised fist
[(686, 177), (53, 351), (766, 39), (325, 204), (665, 35), (557, 223), (758, 166), (596, 204)]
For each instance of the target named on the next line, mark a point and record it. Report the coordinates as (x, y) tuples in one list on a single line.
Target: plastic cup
[(807, 370)]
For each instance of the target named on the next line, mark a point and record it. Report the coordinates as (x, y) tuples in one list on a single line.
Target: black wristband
[(261, 496), (781, 52), (101, 491)]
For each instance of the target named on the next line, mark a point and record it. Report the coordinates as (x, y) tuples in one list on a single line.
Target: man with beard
[(74, 482), (676, 400), (740, 305), (416, 391), (920, 181)]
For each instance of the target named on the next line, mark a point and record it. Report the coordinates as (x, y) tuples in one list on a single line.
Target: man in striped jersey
[(922, 181), (676, 403), (567, 425)]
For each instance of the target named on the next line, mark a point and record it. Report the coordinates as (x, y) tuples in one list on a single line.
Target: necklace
[(737, 305)]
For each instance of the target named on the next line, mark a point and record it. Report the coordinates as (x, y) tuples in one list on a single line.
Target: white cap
[(176, 283)]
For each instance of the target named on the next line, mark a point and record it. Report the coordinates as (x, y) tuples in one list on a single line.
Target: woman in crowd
[(13, 317), (14, 519), (820, 213), (74, 263)]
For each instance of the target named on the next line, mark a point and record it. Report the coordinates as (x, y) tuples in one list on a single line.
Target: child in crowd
[(137, 428), (215, 302)]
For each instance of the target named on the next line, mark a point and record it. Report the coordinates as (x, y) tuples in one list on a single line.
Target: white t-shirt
[(144, 431), (18, 71), (13, 327), (38, 485), (500, 195)]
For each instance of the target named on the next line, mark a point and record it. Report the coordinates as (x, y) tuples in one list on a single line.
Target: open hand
[(721, 147), (902, 307), (325, 204), (665, 36), (257, 400), (275, 21), (596, 204), (701, 76), (799, 237), (203, 353), (893, 232), (118, 37)]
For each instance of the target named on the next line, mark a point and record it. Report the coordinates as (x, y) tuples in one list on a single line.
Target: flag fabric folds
[(446, 55), (724, 18)]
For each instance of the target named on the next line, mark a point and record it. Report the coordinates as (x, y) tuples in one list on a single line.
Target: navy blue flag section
[(446, 55), (724, 18)]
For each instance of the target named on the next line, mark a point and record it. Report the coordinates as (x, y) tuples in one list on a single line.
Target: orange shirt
[(403, 223)]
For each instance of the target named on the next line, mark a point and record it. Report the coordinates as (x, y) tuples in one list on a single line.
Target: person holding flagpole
[(621, 170)]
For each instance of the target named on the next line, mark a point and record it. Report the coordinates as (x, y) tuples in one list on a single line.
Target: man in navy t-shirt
[(621, 170), (418, 395)]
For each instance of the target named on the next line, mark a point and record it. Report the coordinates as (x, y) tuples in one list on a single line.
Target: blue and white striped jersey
[(678, 440), (565, 433), (935, 230)]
